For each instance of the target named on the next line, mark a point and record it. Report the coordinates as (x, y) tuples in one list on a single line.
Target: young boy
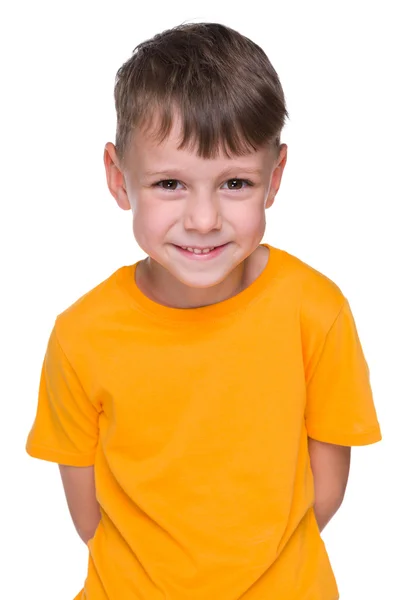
[(202, 402)]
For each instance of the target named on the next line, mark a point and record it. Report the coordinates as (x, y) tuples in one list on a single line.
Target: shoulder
[(94, 311), (318, 298)]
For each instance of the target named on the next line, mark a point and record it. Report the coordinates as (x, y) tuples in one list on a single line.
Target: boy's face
[(197, 218)]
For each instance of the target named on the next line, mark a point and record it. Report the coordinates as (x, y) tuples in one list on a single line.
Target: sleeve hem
[(346, 439), (57, 456)]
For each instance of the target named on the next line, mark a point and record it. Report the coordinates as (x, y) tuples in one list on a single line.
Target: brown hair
[(221, 83)]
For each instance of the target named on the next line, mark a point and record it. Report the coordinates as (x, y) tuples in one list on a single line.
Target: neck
[(159, 285)]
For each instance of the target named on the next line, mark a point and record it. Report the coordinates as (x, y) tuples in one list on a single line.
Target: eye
[(238, 184), (170, 184)]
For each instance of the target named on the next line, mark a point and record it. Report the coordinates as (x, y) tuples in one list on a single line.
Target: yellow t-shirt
[(197, 422)]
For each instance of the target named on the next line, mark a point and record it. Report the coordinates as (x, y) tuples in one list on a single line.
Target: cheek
[(248, 218), (151, 222)]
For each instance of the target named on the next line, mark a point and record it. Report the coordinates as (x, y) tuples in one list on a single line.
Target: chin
[(200, 280)]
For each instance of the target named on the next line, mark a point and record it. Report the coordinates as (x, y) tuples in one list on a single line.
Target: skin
[(330, 465), (80, 492), (206, 204)]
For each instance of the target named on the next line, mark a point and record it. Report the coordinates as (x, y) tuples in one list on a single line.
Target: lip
[(209, 256)]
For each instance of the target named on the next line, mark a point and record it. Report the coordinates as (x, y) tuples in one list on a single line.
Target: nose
[(202, 213)]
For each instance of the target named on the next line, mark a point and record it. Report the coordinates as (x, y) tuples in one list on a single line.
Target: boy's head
[(197, 156)]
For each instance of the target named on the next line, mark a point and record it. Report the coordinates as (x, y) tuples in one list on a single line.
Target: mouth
[(198, 250), (201, 252)]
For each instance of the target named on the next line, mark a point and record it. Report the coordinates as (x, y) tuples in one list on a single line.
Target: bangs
[(210, 126)]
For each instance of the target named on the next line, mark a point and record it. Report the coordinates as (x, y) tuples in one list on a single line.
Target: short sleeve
[(340, 407), (65, 429)]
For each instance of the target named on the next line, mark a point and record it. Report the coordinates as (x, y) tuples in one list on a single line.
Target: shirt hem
[(51, 455), (347, 439)]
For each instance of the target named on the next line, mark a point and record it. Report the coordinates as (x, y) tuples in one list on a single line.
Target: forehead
[(148, 154)]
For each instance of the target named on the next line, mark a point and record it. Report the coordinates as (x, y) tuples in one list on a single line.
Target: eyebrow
[(229, 171)]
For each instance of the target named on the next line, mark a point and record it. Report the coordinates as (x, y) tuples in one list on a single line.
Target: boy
[(202, 403)]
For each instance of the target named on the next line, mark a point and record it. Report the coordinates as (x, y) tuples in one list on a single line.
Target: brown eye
[(168, 184), (237, 184), (234, 184)]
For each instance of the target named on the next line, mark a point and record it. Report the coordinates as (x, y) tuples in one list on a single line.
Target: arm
[(330, 465), (80, 491)]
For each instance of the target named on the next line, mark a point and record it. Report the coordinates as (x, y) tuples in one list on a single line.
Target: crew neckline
[(211, 311)]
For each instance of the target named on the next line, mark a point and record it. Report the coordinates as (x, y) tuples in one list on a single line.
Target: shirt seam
[(374, 429), (324, 344), (73, 369), (50, 449)]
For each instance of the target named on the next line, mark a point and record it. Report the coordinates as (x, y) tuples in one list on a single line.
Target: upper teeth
[(197, 250)]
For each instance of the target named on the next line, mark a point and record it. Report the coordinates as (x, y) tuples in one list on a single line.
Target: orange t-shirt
[(196, 422)]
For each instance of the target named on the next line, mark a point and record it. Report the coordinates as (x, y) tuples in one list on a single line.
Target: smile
[(201, 252), (198, 250)]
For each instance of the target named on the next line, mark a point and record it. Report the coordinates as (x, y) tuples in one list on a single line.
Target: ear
[(115, 177), (276, 177)]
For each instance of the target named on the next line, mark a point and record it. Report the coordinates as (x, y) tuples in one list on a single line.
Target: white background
[(62, 233)]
